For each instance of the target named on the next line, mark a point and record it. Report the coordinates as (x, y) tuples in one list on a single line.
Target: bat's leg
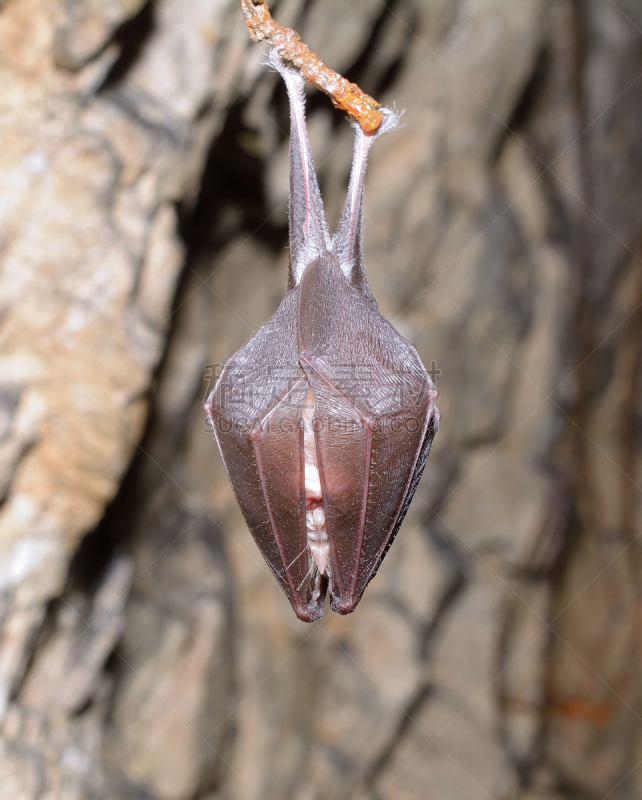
[(347, 242), (309, 235)]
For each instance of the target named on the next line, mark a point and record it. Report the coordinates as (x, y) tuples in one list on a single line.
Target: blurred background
[(146, 652)]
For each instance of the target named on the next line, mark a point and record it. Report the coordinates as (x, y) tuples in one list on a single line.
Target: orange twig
[(345, 95)]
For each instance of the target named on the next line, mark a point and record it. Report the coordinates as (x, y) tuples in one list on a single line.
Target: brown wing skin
[(255, 410), (424, 452), (374, 406)]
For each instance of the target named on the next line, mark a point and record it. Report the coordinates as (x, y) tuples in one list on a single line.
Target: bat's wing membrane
[(374, 407), (255, 410)]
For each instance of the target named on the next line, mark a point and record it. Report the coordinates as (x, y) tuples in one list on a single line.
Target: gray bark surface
[(145, 649)]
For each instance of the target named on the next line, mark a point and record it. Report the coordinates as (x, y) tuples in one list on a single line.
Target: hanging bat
[(325, 417)]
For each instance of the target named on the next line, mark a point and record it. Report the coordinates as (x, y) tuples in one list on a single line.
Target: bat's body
[(325, 417)]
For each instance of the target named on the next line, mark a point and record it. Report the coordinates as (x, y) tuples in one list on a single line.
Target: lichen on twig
[(287, 42)]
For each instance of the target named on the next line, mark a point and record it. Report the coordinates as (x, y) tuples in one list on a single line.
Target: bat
[(325, 417)]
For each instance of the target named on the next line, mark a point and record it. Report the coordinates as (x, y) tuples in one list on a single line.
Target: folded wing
[(375, 415)]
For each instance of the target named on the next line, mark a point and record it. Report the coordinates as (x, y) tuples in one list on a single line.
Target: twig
[(345, 95)]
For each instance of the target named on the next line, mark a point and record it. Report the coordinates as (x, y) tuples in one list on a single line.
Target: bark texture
[(145, 649)]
